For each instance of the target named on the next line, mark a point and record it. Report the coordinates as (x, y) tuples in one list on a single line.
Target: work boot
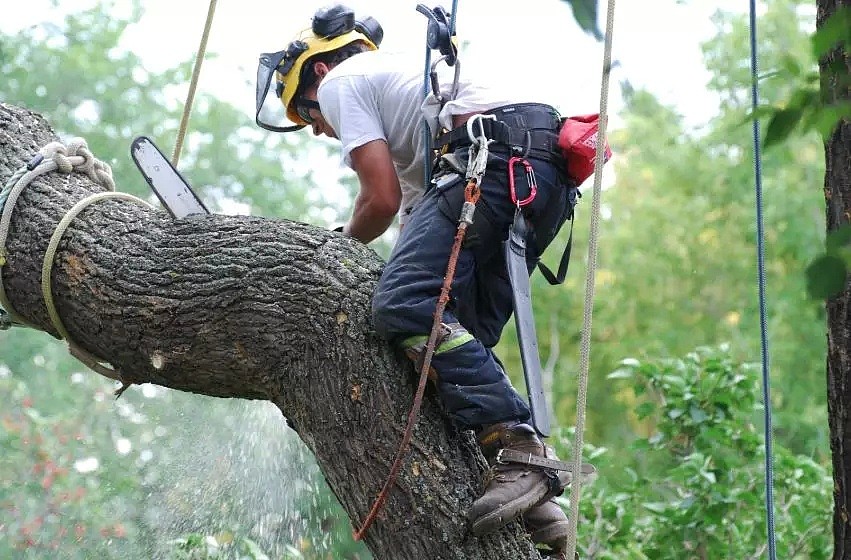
[(513, 488), (547, 524)]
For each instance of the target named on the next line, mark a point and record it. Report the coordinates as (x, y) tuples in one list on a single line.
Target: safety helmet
[(332, 28)]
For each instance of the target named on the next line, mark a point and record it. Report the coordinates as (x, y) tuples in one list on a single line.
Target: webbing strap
[(558, 278), (506, 455)]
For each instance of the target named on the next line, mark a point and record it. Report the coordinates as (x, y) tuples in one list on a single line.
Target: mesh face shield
[(268, 65)]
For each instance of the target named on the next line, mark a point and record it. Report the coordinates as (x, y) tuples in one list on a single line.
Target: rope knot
[(57, 152), (96, 170)]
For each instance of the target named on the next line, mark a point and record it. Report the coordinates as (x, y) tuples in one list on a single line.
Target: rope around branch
[(65, 159)]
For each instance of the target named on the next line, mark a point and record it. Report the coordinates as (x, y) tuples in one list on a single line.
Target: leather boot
[(547, 524), (512, 488)]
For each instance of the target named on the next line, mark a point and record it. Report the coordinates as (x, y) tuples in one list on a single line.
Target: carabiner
[(530, 179), (477, 140)]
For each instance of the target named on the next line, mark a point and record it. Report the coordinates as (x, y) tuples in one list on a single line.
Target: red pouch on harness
[(577, 139)]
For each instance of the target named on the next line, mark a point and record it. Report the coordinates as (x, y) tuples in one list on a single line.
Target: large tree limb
[(250, 308)]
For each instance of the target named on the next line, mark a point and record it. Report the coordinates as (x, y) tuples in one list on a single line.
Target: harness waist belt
[(520, 127)]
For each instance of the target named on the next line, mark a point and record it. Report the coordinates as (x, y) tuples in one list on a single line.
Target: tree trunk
[(836, 87), (251, 308)]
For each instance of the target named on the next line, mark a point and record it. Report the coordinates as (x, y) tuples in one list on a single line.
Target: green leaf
[(622, 373), (656, 507), (585, 14), (698, 416), (781, 125), (826, 276), (838, 239), (825, 118), (836, 29), (790, 64), (645, 409)]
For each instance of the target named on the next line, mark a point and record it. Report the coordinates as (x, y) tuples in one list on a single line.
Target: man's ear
[(320, 69)]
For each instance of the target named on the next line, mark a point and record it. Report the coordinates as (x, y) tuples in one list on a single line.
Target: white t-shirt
[(380, 96)]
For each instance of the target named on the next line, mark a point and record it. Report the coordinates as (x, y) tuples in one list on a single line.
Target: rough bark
[(243, 307), (836, 86)]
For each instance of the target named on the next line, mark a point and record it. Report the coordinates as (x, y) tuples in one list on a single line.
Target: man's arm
[(380, 194)]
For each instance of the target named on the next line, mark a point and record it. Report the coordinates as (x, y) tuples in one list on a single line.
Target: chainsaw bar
[(167, 183)]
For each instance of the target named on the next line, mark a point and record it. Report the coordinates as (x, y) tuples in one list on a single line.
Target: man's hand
[(380, 194)]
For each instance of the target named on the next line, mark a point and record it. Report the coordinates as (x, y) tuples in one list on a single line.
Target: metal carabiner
[(530, 179), (477, 140)]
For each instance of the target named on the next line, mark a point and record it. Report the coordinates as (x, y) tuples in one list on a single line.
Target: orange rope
[(471, 195)]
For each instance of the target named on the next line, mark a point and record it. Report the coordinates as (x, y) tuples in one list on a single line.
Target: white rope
[(46, 277), (590, 278), (56, 156)]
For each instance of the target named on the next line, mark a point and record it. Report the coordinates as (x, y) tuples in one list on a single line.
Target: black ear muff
[(333, 21), (370, 27)]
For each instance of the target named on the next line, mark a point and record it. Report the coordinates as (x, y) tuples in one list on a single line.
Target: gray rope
[(52, 157), (585, 345)]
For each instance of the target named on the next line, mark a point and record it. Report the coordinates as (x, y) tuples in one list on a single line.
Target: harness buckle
[(530, 180)]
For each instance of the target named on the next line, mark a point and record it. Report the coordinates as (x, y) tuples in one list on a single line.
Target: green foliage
[(698, 413), (677, 254), (681, 467), (809, 109), (110, 99), (585, 14)]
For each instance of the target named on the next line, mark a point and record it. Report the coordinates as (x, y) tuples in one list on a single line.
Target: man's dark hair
[(331, 58)]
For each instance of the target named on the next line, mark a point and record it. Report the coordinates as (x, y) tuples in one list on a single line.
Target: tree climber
[(334, 79)]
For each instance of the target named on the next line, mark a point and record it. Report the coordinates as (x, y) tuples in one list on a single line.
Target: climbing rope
[(57, 157), (590, 277), (472, 192), (193, 84), (763, 329)]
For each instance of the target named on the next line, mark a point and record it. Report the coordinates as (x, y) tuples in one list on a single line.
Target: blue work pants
[(471, 382)]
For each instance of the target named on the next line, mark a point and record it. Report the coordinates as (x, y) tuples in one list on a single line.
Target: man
[(334, 79)]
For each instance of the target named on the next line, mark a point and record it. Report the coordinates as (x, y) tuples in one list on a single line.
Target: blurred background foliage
[(162, 474)]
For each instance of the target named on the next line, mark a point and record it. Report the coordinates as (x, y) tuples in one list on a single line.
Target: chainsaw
[(168, 184)]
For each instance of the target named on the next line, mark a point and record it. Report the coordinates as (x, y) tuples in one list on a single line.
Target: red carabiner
[(530, 179)]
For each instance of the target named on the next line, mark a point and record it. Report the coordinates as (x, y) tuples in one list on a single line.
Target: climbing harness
[(472, 192), (57, 157), (590, 278), (763, 328)]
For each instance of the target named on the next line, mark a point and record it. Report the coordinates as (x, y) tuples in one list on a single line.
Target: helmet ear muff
[(333, 21), (370, 27)]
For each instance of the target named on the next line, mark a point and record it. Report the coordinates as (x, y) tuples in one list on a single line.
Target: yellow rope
[(46, 277), (193, 84)]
